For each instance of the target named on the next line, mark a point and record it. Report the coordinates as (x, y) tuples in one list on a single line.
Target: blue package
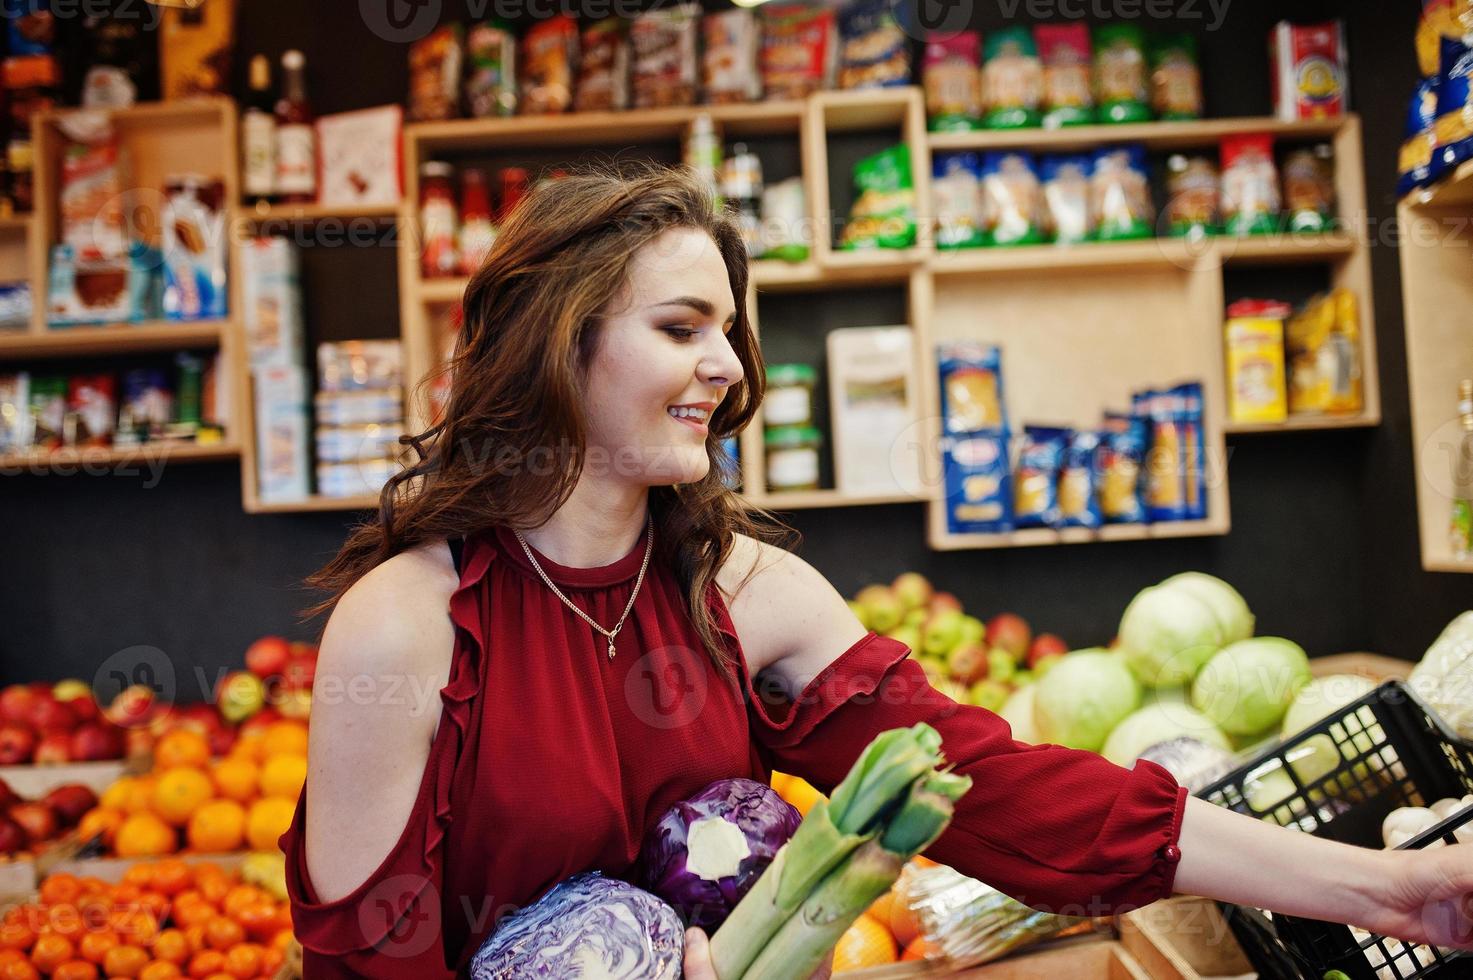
[(1120, 190), (1165, 455), (979, 497), (1454, 126), (1122, 458), (874, 52), (1011, 199), (1414, 164), (1066, 211), (971, 387), (32, 27), (1194, 450), (1079, 504), (956, 190), (1036, 477)]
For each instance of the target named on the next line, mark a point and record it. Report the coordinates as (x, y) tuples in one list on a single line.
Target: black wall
[(1324, 525)]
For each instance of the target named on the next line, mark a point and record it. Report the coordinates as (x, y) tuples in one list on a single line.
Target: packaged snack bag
[(799, 50), (873, 51), (1121, 91), (1010, 199), (951, 74), (1250, 185), (1454, 127), (603, 70), (490, 76), (1068, 95), (1120, 194), (1036, 477), (729, 64), (884, 212), (663, 56), (1309, 188), (956, 191), (1012, 80), (434, 75), (1176, 78), (1193, 186), (1066, 212), (549, 55)]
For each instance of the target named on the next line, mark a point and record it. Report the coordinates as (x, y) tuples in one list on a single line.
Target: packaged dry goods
[(1010, 199), (1250, 185), (1175, 474), (952, 77), (1450, 19), (1124, 442), (1254, 351), (434, 75), (1193, 196), (873, 51), (1068, 96), (884, 211), (799, 50), (792, 458), (490, 70), (194, 249), (977, 483), (1120, 194), (1454, 127), (1121, 91), (271, 294), (1414, 163), (546, 72), (1309, 188), (663, 64), (283, 471), (789, 397), (729, 63), (91, 202), (971, 388), (1323, 342), (15, 416), (351, 365), (1079, 504), (1310, 76), (1012, 79), (1036, 477), (1065, 213), (1176, 78), (874, 406), (787, 233), (956, 192), (603, 67), (194, 50)]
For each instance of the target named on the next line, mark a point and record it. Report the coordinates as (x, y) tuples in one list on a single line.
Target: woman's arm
[(384, 657)]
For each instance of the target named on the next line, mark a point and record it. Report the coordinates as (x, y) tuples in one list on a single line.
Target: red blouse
[(551, 759)]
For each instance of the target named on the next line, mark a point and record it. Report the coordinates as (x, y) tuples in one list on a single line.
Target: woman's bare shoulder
[(391, 616)]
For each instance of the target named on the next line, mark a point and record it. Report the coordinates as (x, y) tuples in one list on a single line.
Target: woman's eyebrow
[(701, 306)]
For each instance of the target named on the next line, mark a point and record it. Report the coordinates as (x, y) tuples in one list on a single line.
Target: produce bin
[(1383, 751), (1183, 938)]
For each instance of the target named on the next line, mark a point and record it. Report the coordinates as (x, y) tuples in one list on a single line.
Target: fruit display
[(48, 724), (189, 800), (970, 661), (29, 825), (163, 920)]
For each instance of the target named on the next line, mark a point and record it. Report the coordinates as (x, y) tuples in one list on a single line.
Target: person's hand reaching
[(1429, 899), (698, 959)]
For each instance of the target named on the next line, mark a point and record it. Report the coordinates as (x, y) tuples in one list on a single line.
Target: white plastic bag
[(1444, 678)]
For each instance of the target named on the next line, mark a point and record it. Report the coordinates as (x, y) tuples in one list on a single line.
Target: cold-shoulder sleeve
[(1056, 828)]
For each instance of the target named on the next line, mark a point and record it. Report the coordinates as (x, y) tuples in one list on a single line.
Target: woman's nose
[(720, 367)]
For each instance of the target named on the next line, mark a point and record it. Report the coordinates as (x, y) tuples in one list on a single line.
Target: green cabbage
[(1227, 605), (1158, 723), (1247, 687), (1083, 698), (1167, 634)]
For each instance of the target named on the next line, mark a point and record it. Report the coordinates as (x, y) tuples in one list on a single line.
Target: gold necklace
[(608, 634)]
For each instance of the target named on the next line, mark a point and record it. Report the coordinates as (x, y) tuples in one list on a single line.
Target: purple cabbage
[(708, 851), (587, 926)]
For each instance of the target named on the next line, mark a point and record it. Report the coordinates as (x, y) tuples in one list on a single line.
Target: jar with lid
[(789, 398), (792, 458), (437, 219)]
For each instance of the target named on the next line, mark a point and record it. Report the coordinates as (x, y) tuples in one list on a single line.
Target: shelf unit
[(67, 459), (1437, 291), (121, 338)]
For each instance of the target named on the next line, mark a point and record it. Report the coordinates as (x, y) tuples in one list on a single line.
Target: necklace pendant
[(611, 648)]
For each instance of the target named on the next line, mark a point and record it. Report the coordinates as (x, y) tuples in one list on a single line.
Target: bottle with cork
[(296, 139)]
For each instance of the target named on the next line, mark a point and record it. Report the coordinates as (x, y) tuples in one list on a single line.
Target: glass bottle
[(258, 135), (296, 140), (437, 219), (477, 233)]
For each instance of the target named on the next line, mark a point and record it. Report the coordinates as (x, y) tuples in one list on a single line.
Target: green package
[(884, 213), (1120, 74), (1012, 80)]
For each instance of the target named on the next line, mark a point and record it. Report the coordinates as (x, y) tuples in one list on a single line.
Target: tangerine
[(51, 951), (243, 960), (171, 945), (126, 960), (241, 898), (158, 970), (236, 778), (94, 945), (100, 822), (65, 919), (268, 820), (60, 887), (206, 962), (139, 875), (171, 876), (145, 835), (283, 775), (864, 944), (17, 935), (74, 970), (19, 970), (222, 933), (284, 738), (179, 793), (181, 747), (218, 826)]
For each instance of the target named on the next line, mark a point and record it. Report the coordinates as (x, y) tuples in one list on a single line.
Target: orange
[(158, 970), (94, 945), (139, 875), (60, 887), (171, 945), (171, 876), (17, 935), (115, 797), (100, 822), (136, 927), (879, 910), (904, 924), (206, 962), (271, 961), (921, 949), (145, 835), (866, 943), (65, 919), (155, 904), (240, 898), (196, 936), (180, 792), (283, 776), (268, 820), (74, 970), (259, 921), (801, 794), (19, 970), (211, 881), (244, 960), (236, 778), (222, 933), (181, 747), (125, 961), (284, 738), (221, 975), (191, 909), (218, 826), (51, 951)]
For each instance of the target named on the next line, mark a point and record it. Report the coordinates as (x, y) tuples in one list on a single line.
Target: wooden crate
[(1184, 938), (1087, 957), (34, 782)]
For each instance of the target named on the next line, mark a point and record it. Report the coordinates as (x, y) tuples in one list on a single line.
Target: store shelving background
[(1323, 544)]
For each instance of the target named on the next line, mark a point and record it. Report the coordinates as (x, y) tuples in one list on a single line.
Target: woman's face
[(662, 363)]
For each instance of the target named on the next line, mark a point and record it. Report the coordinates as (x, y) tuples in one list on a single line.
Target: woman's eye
[(679, 334)]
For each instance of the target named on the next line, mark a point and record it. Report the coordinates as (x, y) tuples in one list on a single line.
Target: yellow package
[(1324, 356), (1254, 336)]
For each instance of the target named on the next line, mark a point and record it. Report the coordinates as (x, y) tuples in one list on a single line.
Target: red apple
[(268, 656), (260, 721), (967, 664), (37, 819), (942, 601), (70, 802), (84, 708), (134, 706), (54, 749), (15, 704), (1044, 645), (299, 673), (50, 715), (12, 836), (1011, 633), (8, 796), (17, 744), (201, 716), (222, 740), (96, 741)]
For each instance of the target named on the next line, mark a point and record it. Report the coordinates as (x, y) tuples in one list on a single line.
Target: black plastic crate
[(1339, 779)]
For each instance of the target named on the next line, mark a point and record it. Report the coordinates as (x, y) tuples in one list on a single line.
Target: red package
[(799, 50), (1310, 75), (92, 400)]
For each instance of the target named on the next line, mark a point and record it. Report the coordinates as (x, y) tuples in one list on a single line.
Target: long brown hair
[(531, 317)]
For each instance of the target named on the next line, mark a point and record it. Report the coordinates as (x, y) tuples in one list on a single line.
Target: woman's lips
[(692, 423)]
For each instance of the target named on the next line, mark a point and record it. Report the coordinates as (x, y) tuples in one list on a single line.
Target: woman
[(555, 630)]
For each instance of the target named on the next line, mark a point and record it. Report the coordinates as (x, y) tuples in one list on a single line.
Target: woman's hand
[(1429, 898), (698, 959)]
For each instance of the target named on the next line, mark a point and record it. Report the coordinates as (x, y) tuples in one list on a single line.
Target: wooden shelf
[(1455, 190), (318, 212), (1284, 249), (122, 338), (1155, 135), (1045, 537), (205, 109), (1153, 253), (442, 290), (810, 499), (16, 222), (865, 109), (1304, 423), (315, 504), (42, 461)]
